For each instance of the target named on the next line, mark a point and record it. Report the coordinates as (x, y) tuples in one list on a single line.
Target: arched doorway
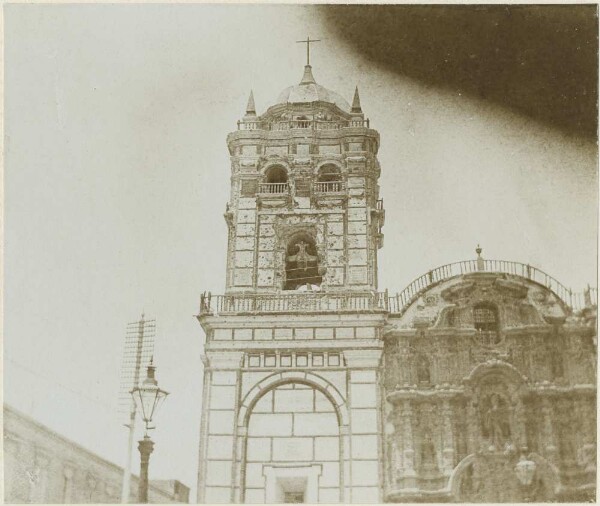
[(292, 447)]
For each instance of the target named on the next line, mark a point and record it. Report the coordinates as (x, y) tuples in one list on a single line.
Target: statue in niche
[(423, 372), (427, 451), (496, 421)]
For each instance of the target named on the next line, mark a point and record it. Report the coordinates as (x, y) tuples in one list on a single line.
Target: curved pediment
[(517, 300)]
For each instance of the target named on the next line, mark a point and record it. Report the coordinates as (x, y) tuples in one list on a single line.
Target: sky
[(117, 174)]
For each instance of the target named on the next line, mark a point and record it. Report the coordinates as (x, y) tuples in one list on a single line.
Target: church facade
[(476, 383)]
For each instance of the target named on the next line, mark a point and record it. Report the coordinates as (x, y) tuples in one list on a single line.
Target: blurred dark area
[(538, 60)]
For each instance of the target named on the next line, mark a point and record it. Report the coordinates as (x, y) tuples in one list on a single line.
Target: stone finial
[(480, 261), (308, 78), (356, 102), (251, 108)]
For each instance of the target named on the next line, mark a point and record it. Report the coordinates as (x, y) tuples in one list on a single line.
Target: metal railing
[(396, 304), (400, 302), (301, 124), (273, 188), (328, 186)]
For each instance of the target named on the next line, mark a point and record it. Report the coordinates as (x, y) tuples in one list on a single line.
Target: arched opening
[(485, 321), (329, 172), (329, 179), (276, 174), (292, 447), (276, 180), (301, 264)]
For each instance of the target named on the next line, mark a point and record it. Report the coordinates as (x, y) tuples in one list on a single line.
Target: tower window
[(329, 179), (276, 180), (485, 317), (301, 264)]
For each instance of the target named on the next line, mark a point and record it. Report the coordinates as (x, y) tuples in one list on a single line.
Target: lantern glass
[(148, 397)]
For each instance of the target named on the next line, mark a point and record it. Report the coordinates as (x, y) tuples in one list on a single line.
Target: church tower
[(291, 404), (304, 211), (475, 383)]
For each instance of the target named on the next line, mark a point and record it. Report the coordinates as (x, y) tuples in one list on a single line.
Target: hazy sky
[(117, 174)]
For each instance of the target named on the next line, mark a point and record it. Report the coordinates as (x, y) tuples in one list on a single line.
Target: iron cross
[(308, 41)]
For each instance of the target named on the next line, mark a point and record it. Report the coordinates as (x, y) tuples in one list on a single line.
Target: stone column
[(448, 437), (548, 429), (472, 427), (395, 445), (520, 436), (406, 415), (68, 473)]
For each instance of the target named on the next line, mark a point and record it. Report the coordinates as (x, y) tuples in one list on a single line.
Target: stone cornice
[(359, 345)]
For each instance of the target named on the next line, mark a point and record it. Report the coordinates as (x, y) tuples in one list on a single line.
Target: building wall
[(334, 362), (447, 412), (41, 466), (465, 404)]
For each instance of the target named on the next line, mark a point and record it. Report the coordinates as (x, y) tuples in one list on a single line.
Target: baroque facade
[(475, 383), (41, 466)]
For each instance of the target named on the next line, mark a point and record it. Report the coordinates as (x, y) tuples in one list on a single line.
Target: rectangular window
[(254, 360), (286, 361), (270, 360)]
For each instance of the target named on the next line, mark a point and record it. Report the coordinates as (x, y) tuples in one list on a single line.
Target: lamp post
[(148, 397)]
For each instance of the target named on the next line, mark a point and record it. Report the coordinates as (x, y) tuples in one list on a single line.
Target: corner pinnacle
[(251, 108), (356, 102)]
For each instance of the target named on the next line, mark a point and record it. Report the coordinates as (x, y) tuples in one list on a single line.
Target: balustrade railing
[(382, 301), (293, 302), (400, 302), (328, 186), (301, 124), (273, 188)]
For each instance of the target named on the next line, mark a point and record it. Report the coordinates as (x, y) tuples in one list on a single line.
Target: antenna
[(138, 350)]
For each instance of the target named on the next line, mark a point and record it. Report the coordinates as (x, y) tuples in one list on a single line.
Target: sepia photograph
[(300, 253)]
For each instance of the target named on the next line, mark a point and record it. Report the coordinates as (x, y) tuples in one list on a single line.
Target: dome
[(309, 91)]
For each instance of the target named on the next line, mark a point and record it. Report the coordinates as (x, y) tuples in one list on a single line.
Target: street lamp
[(148, 397)]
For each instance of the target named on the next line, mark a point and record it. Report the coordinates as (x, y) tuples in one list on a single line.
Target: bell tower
[(304, 211), (291, 401)]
